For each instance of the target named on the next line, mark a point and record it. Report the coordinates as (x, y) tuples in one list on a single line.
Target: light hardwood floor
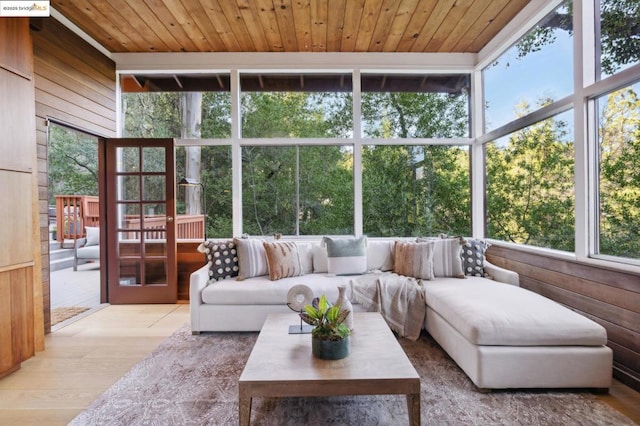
[(85, 358)]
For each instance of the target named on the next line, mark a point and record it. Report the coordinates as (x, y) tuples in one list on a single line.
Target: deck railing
[(75, 212)]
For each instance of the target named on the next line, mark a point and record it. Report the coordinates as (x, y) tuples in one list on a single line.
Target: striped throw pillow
[(414, 259), (252, 258), (283, 259)]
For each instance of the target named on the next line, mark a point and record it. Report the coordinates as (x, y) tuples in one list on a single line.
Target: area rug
[(193, 380), (61, 314)]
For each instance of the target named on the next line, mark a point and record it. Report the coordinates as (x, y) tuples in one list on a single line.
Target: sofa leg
[(195, 333), (600, 391), (483, 390)]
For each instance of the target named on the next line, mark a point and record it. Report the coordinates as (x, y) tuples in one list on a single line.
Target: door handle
[(169, 218)]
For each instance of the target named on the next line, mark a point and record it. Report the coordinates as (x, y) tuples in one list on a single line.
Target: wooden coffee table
[(281, 364)]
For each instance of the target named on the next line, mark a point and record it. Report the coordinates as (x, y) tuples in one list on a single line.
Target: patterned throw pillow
[(414, 259), (473, 257), (447, 259), (223, 259), (346, 256), (252, 258), (283, 259)]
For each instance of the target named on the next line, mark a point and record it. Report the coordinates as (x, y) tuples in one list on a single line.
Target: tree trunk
[(191, 106)]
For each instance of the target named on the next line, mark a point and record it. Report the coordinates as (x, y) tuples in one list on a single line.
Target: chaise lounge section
[(502, 336)]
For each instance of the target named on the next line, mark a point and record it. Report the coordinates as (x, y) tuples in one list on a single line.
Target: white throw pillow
[(346, 256), (93, 235)]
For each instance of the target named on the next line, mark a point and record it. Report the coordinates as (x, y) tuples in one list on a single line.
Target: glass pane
[(128, 244), (296, 105), (159, 114), (153, 159), (415, 190), (619, 174), (155, 272), (619, 35), (127, 213), (128, 188), (155, 249), (155, 228), (269, 190), (530, 185), (408, 106), (128, 159), (154, 188), (129, 272), (520, 81), (326, 190), (215, 175)]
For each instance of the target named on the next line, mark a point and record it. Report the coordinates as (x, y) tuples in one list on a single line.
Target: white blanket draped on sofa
[(399, 299)]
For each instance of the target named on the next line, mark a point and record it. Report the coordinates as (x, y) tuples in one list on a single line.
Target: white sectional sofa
[(502, 336)]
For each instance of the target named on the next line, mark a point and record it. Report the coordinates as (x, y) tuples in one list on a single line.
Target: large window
[(619, 34), (415, 190), (296, 106), (410, 106), (537, 67), (619, 173), (530, 185), (297, 190)]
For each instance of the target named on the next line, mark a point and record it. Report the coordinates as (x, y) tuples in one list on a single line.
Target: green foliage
[(530, 188), (73, 163), (327, 319)]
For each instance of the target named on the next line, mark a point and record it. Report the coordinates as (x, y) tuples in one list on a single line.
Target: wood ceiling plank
[(218, 29), (399, 25), (110, 35), (171, 25), (352, 15), (251, 20), (137, 19), (319, 25), (435, 21), (122, 18), (190, 18), (239, 26), (383, 26), (302, 22), (368, 21), (148, 20), (335, 24), (266, 14), (462, 14), (502, 18), (418, 21), (286, 23), (474, 30)]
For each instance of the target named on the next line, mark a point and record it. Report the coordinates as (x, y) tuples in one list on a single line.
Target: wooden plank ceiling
[(290, 25)]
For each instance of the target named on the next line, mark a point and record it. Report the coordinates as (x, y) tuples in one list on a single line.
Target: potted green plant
[(330, 336)]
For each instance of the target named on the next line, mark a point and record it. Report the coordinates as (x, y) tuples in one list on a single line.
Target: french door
[(140, 207)]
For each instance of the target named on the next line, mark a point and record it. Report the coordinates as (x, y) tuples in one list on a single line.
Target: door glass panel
[(128, 159), (153, 159), (128, 188), (126, 246), (129, 272), (154, 188), (155, 271)]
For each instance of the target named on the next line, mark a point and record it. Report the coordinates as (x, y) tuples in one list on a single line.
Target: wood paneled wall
[(74, 84), (189, 260), (21, 325), (609, 297)]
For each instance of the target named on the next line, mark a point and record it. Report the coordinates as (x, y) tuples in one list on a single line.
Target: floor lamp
[(193, 182)]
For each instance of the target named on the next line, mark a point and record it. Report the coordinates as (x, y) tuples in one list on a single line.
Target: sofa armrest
[(502, 275), (197, 282)]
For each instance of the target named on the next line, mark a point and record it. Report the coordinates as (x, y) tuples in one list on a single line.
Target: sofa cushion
[(262, 291), (414, 259), (473, 257), (489, 313), (283, 260), (346, 256), (305, 250), (93, 235), (447, 260), (380, 255), (90, 252), (223, 259), (252, 258)]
